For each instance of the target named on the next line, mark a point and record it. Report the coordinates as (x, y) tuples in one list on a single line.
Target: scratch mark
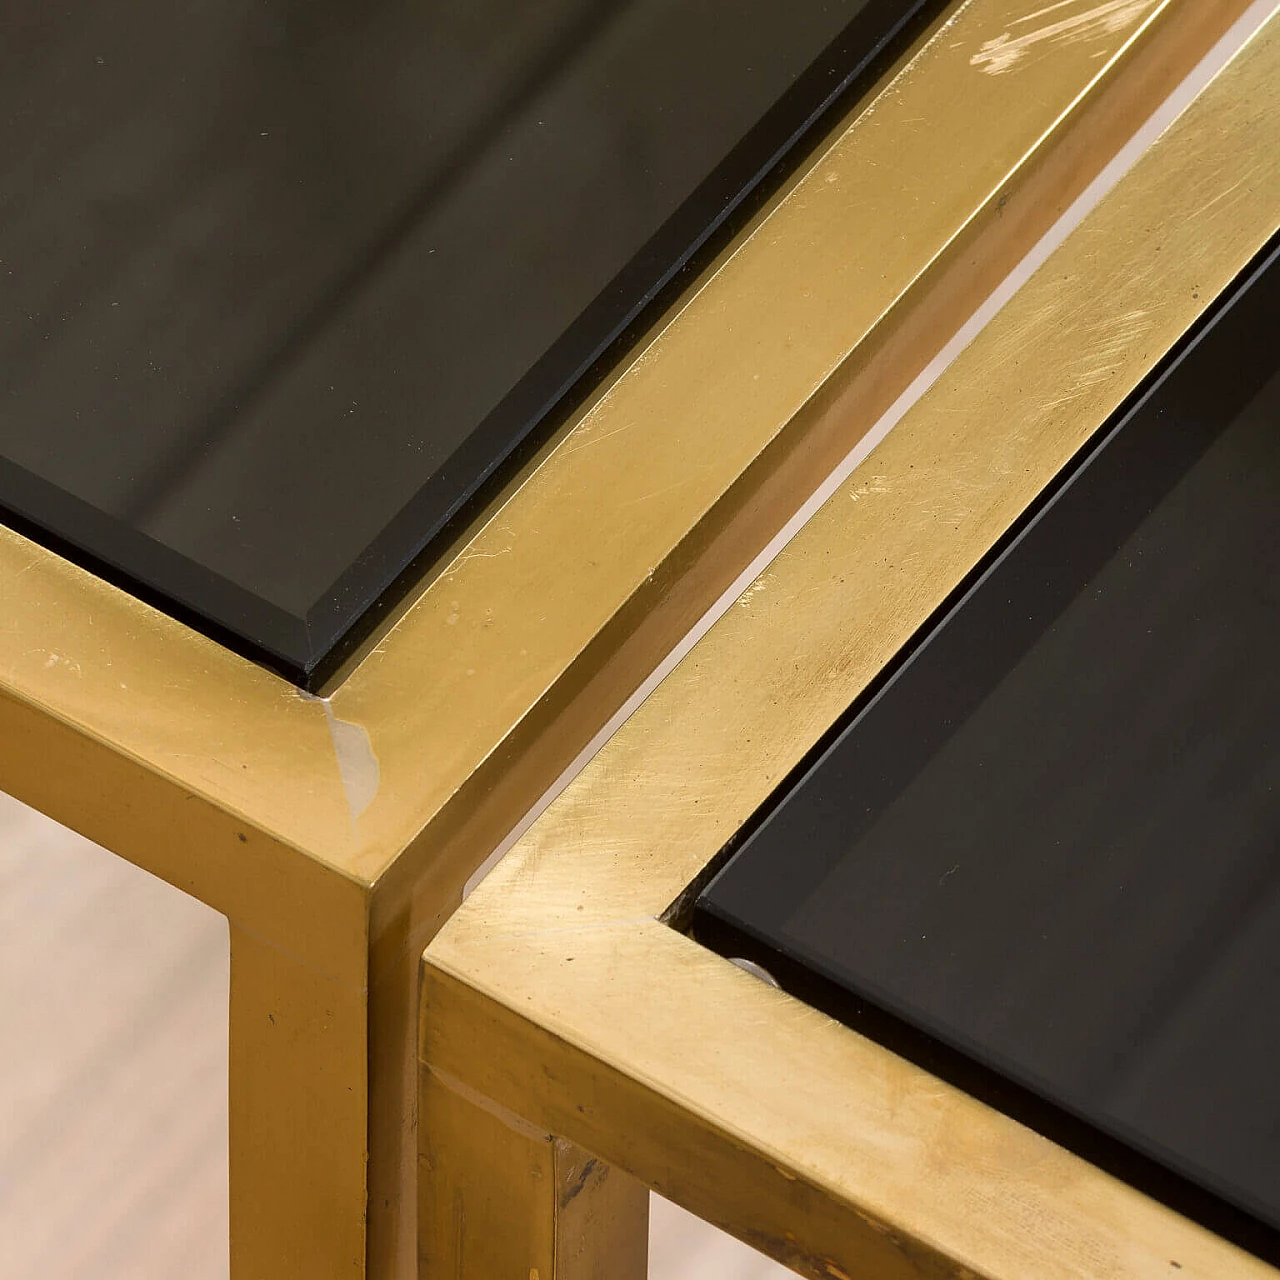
[(1040, 13), (625, 922), (357, 762), (467, 556), (759, 585), (655, 493), (57, 660), (1112, 348), (1004, 52), (1222, 195), (586, 441), (875, 485)]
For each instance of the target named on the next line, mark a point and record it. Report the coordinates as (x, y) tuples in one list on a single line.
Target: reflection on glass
[(1054, 843), (275, 274)]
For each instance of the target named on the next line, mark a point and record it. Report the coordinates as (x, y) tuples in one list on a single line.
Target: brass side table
[(600, 1049), (336, 832)]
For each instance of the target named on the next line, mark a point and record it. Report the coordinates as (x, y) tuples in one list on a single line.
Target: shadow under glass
[(1043, 858), (284, 283)]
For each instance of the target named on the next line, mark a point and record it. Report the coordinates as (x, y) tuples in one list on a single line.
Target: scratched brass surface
[(336, 833), (557, 993), (491, 634)]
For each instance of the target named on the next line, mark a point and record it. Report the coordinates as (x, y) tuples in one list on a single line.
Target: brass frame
[(337, 833), (556, 1001)]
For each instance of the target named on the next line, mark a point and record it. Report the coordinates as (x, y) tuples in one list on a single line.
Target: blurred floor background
[(113, 1068)]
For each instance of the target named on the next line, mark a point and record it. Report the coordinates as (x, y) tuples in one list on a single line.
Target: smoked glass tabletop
[(282, 286), (1042, 856)]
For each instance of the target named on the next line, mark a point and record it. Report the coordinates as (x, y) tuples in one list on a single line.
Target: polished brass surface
[(557, 994), (336, 833)]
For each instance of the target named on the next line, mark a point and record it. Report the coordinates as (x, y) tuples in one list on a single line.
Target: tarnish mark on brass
[(592, 1172), (1007, 50)]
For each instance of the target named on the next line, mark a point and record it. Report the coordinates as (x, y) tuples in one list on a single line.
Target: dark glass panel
[(284, 283), (1043, 858)]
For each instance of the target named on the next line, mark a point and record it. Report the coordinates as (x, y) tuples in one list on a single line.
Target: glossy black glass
[(1042, 856), (282, 284)]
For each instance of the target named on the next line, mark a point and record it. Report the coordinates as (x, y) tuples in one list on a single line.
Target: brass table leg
[(298, 1117), (499, 1198)]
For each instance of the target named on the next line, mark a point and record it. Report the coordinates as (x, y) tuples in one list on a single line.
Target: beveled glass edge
[(571, 370), (308, 649), (217, 727), (715, 925)]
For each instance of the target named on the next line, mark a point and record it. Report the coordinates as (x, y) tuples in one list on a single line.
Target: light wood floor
[(113, 1061)]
